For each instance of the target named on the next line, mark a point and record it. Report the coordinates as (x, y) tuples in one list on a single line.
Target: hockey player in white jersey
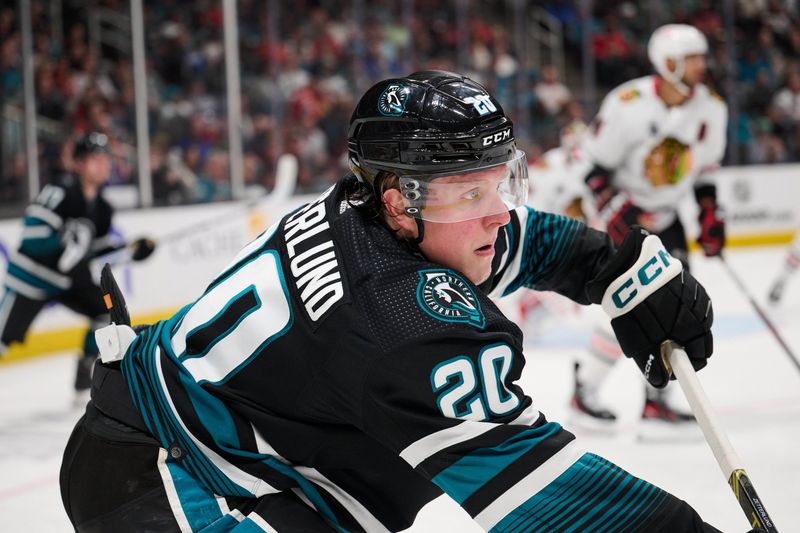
[(655, 141)]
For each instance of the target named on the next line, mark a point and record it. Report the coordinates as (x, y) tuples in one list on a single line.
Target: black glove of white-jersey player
[(650, 299)]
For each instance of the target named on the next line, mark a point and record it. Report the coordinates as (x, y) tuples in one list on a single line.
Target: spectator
[(552, 94), (613, 52), (787, 101)]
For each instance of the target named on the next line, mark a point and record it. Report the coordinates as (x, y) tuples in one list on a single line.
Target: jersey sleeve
[(42, 223), (605, 142), (717, 140), (549, 252)]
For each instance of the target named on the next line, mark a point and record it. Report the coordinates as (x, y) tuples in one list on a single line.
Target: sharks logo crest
[(392, 101), (445, 295)]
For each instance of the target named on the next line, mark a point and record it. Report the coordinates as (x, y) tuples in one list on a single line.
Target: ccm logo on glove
[(653, 269)]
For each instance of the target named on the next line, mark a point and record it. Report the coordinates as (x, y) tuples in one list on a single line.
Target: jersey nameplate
[(313, 264)]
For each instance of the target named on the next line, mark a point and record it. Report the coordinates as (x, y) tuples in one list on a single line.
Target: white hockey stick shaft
[(717, 440), (677, 361)]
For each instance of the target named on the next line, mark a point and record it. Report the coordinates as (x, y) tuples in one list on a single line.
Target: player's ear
[(395, 208), (671, 66)]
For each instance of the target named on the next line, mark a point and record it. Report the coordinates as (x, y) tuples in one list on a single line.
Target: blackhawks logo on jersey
[(445, 295), (392, 101), (668, 162)]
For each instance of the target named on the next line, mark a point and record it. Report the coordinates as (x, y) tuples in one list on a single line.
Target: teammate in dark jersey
[(348, 366), (64, 227)]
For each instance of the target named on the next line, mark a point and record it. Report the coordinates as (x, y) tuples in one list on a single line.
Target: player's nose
[(499, 214)]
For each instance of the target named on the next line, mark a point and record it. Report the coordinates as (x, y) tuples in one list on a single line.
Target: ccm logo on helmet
[(498, 137)]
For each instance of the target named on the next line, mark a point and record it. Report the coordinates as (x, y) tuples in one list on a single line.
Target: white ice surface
[(750, 381)]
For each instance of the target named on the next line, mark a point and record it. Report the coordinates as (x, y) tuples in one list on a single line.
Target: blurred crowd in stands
[(304, 64)]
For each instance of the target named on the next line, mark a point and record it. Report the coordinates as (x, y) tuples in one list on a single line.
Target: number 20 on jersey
[(471, 393)]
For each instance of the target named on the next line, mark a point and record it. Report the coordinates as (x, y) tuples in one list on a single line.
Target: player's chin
[(480, 270)]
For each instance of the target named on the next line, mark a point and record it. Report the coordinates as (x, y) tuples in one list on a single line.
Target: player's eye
[(472, 194)]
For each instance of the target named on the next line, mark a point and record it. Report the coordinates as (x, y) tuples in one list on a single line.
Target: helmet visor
[(469, 194)]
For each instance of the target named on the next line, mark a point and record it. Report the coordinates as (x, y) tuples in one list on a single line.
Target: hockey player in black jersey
[(348, 366), (63, 228)]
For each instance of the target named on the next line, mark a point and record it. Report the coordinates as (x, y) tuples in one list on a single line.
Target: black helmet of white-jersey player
[(674, 42), (446, 139)]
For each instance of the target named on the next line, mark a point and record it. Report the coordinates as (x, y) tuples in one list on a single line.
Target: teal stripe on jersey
[(21, 274), (591, 495), (570, 498), (467, 475), (633, 499), (558, 246), (38, 246), (612, 501), (198, 503), (548, 239), (212, 412), (140, 370), (195, 459), (653, 501)]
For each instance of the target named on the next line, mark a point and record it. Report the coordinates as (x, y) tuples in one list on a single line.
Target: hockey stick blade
[(112, 296), (677, 362)]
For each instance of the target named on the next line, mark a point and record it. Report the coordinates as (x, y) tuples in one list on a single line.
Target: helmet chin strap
[(420, 232), (681, 87), (676, 78)]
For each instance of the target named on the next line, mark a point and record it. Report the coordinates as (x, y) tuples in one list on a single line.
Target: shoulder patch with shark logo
[(446, 296)]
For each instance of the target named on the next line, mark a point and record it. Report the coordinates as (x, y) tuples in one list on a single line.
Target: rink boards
[(196, 242)]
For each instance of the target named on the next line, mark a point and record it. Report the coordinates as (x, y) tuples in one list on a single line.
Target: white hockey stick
[(677, 362), (285, 182)]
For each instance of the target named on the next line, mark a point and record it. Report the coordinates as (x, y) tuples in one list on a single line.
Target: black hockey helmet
[(91, 143), (436, 124)]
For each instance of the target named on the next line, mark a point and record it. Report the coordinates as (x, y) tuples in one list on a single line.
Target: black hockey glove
[(712, 224), (650, 299), (142, 248)]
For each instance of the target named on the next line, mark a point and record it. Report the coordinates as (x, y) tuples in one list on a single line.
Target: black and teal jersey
[(59, 213), (332, 360)]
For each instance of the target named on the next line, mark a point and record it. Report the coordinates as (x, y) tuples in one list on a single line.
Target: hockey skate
[(662, 422), (587, 412), (657, 409), (83, 381)]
